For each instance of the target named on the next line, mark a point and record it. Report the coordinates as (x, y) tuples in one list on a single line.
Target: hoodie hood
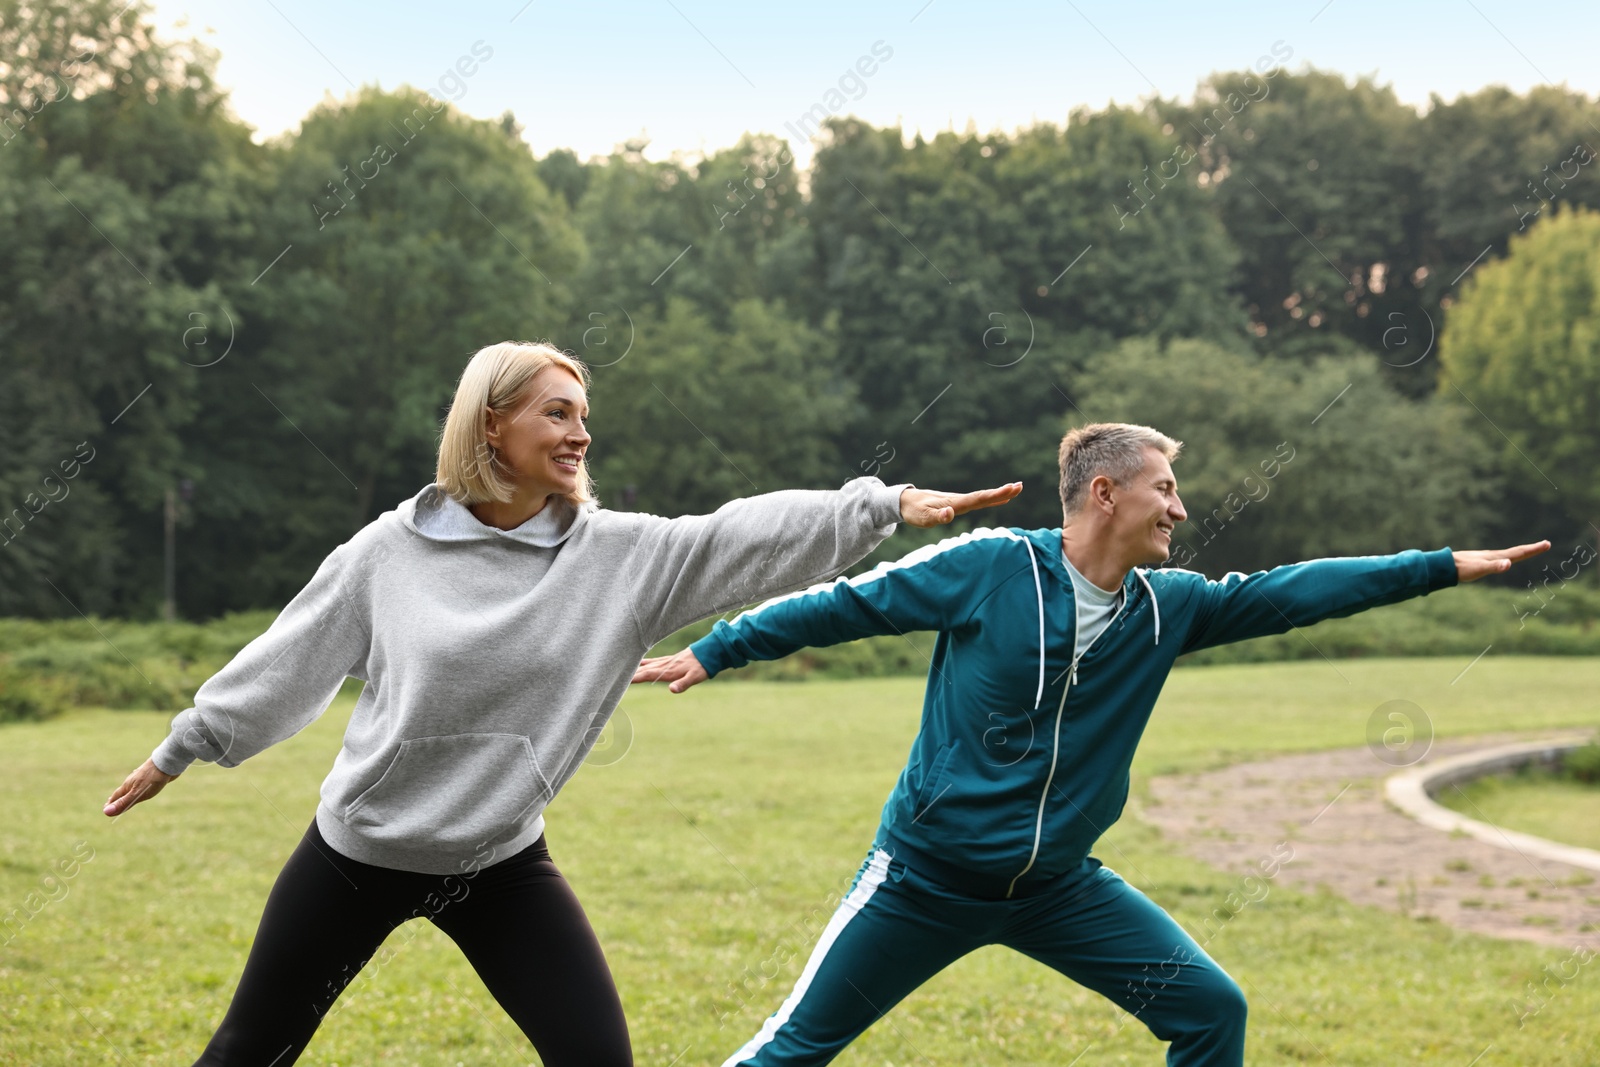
[(438, 516)]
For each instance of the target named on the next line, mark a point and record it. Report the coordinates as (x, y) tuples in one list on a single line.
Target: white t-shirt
[(1096, 607)]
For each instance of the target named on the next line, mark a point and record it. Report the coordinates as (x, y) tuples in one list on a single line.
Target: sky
[(690, 76)]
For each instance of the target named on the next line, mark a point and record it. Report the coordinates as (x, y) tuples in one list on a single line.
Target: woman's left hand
[(923, 507)]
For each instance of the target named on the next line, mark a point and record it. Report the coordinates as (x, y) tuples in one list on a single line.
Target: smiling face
[(1147, 509), (542, 439)]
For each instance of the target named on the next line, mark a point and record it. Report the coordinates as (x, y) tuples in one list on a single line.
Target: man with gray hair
[(1053, 647)]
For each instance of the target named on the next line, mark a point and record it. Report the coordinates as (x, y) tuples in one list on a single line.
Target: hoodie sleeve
[(754, 548), (937, 587), (1242, 606), (285, 679)]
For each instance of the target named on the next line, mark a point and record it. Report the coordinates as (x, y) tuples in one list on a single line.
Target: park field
[(708, 838)]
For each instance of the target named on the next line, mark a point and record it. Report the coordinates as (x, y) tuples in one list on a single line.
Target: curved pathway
[(1329, 808)]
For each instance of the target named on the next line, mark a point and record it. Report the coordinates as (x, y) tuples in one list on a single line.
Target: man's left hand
[(1470, 566)]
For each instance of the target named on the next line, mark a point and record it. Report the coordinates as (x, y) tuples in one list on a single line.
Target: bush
[(1584, 763), (52, 665), (26, 696)]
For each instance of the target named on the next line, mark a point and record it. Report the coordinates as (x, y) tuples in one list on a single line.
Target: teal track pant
[(896, 929)]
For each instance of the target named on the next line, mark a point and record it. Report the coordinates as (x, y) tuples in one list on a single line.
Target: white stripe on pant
[(848, 908)]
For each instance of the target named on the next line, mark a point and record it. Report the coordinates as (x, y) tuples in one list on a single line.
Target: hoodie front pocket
[(455, 791)]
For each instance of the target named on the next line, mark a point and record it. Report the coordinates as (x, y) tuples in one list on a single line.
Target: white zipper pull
[(1074, 672)]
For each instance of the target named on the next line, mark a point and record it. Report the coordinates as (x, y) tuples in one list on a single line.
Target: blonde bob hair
[(470, 468)]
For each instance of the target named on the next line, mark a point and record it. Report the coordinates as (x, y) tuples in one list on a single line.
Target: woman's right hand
[(142, 784), (921, 507)]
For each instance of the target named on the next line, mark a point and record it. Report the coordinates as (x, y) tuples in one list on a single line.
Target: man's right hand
[(682, 670), (142, 784)]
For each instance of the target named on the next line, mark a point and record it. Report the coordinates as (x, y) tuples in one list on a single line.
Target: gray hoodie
[(493, 658)]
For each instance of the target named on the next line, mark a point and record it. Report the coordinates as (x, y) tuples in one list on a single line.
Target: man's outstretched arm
[(934, 588), (1242, 606)]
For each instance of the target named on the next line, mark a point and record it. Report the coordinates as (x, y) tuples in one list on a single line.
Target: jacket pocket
[(936, 784), (454, 791)]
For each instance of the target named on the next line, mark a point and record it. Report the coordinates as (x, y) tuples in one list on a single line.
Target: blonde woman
[(497, 618)]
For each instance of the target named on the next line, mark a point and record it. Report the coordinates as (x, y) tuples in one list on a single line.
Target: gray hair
[(1114, 449)]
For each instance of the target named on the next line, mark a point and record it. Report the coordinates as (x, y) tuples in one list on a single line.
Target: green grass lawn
[(708, 858), (1535, 802)]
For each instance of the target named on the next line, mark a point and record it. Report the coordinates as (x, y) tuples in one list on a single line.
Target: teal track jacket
[(1022, 758)]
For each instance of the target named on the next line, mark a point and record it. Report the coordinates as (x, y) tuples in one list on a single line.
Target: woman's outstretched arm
[(277, 684), (758, 547)]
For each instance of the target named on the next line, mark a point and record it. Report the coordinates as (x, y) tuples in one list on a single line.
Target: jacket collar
[(1050, 545), (1135, 582)]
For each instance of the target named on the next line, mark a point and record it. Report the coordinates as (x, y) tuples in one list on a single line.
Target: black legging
[(517, 921)]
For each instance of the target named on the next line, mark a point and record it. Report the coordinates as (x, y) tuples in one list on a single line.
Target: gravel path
[(1328, 807)]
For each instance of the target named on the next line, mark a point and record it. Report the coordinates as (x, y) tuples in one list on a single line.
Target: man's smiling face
[(1147, 509)]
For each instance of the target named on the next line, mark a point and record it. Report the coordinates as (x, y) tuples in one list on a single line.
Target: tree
[(1495, 162), (1293, 460), (1523, 347), (713, 233), (971, 276), (284, 323), (400, 237), (1316, 181), (695, 416), (122, 197)]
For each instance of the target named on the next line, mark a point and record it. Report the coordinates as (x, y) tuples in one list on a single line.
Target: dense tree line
[(1264, 271)]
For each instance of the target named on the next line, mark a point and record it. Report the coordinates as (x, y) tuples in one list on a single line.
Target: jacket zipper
[(1055, 748)]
